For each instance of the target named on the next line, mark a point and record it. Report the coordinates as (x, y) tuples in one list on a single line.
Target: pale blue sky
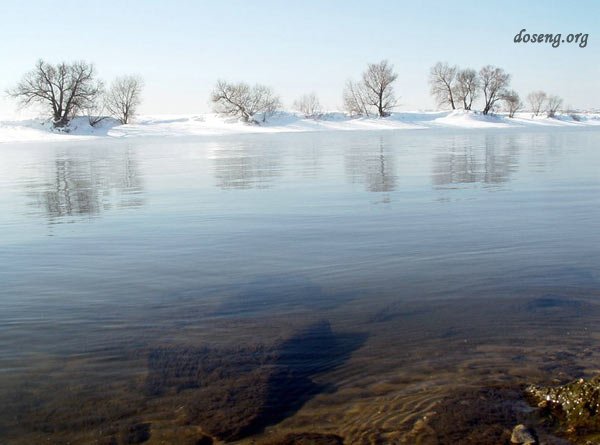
[(182, 47)]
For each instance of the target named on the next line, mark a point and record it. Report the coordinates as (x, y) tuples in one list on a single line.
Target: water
[(250, 286)]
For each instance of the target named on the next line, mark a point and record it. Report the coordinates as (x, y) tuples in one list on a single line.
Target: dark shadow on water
[(231, 393), (312, 351)]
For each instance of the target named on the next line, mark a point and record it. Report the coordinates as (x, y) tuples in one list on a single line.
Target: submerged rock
[(576, 404), (482, 416), (523, 436), (232, 393)]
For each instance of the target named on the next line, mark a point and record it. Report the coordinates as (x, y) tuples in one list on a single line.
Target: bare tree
[(64, 88), (308, 105), (232, 100), (494, 82), (355, 102), (377, 81), (123, 97), (537, 100), (268, 102), (513, 102), (467, 87), (442, 79), (554, 103), (243, 101)]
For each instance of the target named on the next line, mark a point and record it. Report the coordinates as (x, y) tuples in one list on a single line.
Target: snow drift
[(211, 124)]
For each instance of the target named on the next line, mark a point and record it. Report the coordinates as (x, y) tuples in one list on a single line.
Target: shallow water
[(348, 283)]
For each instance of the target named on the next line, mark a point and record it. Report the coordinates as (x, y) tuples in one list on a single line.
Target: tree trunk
[(62, 121)]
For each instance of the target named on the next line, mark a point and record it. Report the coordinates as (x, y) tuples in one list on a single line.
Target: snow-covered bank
[(210, 124)]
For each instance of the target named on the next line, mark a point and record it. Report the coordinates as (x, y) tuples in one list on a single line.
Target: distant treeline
[(454, 87), (72, 89)]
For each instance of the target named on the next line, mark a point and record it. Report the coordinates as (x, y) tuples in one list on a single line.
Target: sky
[(181, 48)]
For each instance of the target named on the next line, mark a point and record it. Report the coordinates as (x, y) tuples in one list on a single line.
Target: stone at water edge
[(523, 436), (576, 404)]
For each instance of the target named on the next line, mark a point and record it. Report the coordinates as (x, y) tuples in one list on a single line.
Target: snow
[(29, 130)]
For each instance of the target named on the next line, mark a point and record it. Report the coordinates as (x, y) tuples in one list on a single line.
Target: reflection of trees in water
[(463, 161), (88, 184), (373, 166), (308, 159), (246, 167)]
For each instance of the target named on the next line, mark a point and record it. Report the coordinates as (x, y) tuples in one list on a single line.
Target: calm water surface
[(154, 290)]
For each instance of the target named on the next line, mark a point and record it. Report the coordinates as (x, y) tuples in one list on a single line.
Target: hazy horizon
[(181, 48)]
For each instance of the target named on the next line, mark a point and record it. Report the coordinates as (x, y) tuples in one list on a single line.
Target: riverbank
[(30, 130)]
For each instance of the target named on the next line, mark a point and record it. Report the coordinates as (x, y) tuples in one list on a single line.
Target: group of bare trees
[(372, 95), (309, 106), (72, 89), (540, 102), (454, 87), (68, 90)]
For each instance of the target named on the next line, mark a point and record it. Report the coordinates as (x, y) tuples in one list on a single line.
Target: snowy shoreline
[(33, 130)]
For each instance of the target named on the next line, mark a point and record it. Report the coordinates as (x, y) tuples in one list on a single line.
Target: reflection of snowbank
[(210, 124)]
